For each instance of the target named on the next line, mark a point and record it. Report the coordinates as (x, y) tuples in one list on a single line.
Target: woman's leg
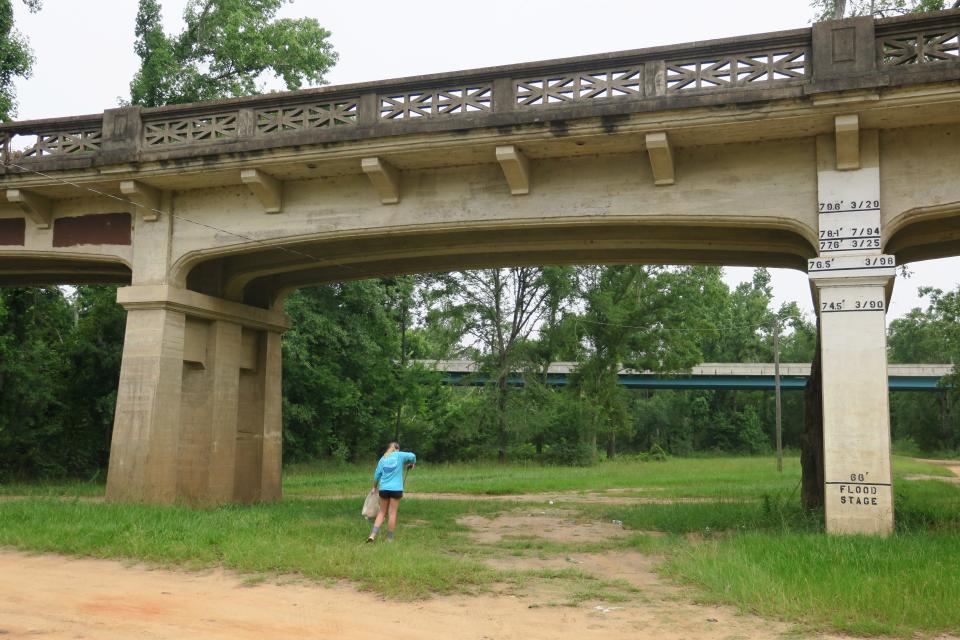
[(384, 507), (392, 521)]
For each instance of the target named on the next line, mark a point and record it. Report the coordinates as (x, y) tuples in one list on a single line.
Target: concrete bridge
[(832, 149), (709, 375)]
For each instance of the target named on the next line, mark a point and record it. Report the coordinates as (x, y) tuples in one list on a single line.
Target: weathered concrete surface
[(832, 149), (198, 410), (856, 411)]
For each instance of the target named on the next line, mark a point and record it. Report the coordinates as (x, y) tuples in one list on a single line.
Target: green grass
[(905, 585), (901, 586), (317, 539), (903, 466), (676, 477), (723, 477), (530, 545), (578, 586), (63, 488), (720, 477), (757, 550)]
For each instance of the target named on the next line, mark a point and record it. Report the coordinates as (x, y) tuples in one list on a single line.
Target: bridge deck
[(780, 65)]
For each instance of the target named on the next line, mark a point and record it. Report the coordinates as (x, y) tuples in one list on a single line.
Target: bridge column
[(198, 416), (856, 408), (852, 280)]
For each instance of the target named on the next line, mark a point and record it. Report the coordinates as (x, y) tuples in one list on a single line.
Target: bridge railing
[(830, 56)]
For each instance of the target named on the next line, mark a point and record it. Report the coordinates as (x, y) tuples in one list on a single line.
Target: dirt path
[(951, 465), (54, 597), (47, 596)]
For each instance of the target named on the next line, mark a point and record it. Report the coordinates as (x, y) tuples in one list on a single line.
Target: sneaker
[(370, 539)]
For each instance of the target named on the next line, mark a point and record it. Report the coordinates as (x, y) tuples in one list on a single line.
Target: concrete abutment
[(198, 416)]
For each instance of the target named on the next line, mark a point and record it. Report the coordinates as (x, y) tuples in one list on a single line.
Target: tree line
[(354, 376)]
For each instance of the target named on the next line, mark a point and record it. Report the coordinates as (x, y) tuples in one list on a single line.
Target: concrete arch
[(257, 273), (925, 233), (59, 267)]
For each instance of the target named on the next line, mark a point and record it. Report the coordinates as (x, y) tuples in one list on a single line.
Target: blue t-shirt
[(390, 470)]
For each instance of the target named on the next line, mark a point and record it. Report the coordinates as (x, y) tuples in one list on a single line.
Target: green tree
[(642, 317), (928, 335), (338, 371), (743, 321), (34, 330), (836, 9), (499, 310), (93, 353), (16, 58), (225, 50)]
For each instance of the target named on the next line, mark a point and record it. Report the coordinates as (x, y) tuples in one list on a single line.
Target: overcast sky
[(84, 57)]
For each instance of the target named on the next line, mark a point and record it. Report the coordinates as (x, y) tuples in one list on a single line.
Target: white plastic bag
[(371, 506)]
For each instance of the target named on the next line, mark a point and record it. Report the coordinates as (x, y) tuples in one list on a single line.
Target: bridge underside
[(55, 270), (257, 277)]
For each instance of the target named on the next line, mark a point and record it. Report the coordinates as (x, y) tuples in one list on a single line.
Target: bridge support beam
[(198, 416)]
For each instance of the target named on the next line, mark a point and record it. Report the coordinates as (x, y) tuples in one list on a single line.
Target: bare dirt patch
[(633, 568), (50, 596), (558, 526), (921, 476), (655, 608), (951, 465)]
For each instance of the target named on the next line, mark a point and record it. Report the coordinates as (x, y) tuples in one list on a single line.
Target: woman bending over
[(389, 478)]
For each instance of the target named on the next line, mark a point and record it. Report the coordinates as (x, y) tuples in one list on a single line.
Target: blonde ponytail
[(393, 446)]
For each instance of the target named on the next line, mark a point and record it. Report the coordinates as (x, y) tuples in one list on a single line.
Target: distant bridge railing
[(850, 54), (742, 376)]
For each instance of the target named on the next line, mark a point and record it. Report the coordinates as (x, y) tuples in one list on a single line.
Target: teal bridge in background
[(739, 376)]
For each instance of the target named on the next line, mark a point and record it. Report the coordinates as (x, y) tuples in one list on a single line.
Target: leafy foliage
[(59, 360), (16, 59), (835, 9), (227, 47), (928, 335)]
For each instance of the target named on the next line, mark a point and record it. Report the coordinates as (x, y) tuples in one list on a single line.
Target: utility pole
[(776, 388), (403, 365)]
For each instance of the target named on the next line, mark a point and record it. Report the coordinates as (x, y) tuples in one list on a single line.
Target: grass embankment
[(756, 550), (905, 585)]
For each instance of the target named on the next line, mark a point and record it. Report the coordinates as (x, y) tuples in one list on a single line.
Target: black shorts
[(395, 495)]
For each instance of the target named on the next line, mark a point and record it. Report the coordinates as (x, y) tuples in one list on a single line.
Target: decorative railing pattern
[(439, 102), (308, 116), (64, 143), (920, 47), (187, 130), (721, 72), (609, 83), (785, 64)]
